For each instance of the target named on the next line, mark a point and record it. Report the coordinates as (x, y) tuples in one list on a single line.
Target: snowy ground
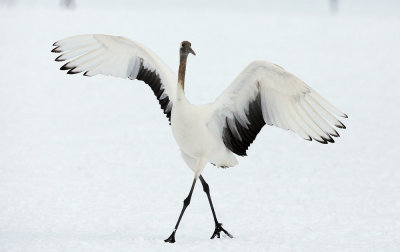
[(89, 164)]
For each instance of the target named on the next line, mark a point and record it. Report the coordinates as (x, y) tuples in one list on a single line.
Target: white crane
[(264, 93)]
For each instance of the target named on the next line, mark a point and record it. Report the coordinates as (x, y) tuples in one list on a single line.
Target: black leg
[(186, 203), (218, 226)]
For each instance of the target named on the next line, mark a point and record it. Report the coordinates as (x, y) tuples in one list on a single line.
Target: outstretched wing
[(264, 93), (95, 54)]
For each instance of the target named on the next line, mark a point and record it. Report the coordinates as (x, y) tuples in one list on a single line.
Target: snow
[(89, 164)]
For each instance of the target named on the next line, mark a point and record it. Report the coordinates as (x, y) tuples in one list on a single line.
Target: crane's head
[(186, 48)]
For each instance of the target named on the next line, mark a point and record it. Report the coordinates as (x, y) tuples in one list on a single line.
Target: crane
[(263, 93)]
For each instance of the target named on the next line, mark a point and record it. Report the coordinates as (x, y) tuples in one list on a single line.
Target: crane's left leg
[(218, 226), (186, 202)]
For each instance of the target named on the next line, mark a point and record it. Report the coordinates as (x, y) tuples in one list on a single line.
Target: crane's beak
[(191, 51)]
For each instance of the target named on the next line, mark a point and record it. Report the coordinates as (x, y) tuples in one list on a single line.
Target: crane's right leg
[(218, 226), (186, 203)]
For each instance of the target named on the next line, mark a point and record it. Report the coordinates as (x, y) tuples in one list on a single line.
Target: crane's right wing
[(265, 93), (117, 56)]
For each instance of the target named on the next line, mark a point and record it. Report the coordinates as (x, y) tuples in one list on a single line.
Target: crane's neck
[(181, 75)]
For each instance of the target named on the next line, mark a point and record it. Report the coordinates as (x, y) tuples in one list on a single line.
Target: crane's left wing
[(264, 93), (117, 56)]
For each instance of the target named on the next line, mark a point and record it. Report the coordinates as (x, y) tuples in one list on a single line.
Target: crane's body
[(189, 126), (264, 93)]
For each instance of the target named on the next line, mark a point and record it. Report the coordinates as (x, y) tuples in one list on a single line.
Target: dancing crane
[(264, 93)]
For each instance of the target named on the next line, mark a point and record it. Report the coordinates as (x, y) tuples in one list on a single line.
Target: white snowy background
[(89, 164)]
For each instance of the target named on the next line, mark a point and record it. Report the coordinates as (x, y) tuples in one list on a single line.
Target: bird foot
[(171, 238), (217, 231)]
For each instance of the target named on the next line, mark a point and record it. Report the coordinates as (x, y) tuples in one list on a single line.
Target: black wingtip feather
[(340, 125), (55, 43), (66, 67), (56, 50), (58, 58), (319, 141), (335, 134), (71, 71), (330, 139)]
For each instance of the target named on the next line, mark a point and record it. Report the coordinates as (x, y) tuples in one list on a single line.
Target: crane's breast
[(190, 131)]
